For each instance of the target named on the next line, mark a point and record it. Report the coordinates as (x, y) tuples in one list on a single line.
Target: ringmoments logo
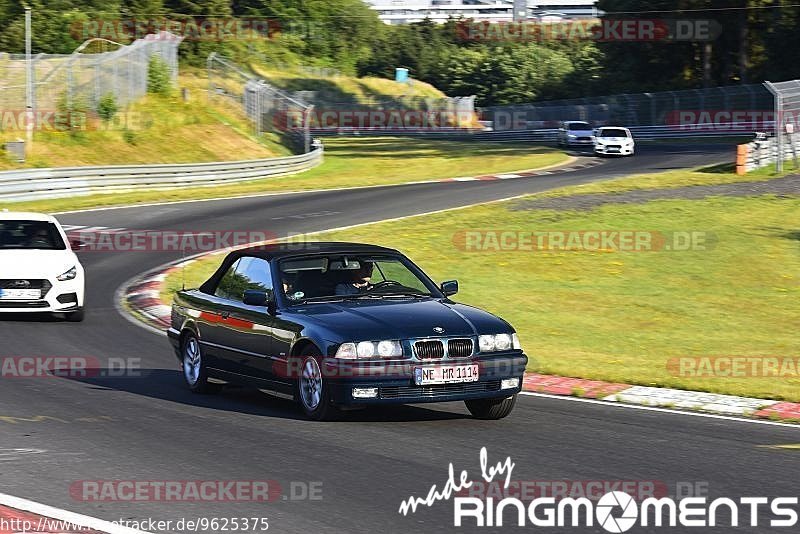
[(615, 511)]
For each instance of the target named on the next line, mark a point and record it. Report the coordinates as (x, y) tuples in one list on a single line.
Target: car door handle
[(225, 314)]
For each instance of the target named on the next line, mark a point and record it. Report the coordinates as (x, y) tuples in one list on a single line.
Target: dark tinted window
[(255, 273), (613, 132), (30, 235), (581, 126), (230, 284)]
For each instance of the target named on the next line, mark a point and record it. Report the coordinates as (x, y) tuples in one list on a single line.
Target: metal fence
[(269, 109), (33, 184), (690, 109), (82, 79), (787, 107)]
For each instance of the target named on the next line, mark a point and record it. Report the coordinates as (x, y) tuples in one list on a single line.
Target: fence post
[(210, 70), (778, 125), (307, 128)]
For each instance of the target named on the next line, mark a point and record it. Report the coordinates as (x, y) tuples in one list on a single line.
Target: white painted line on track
[(657, 409), (66, 516), (556, 168)]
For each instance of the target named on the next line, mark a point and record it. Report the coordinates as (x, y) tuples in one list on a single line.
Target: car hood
[(15, 263), (361, 320)]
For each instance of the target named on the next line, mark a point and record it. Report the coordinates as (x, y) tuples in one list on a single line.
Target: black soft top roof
[(288, 250)]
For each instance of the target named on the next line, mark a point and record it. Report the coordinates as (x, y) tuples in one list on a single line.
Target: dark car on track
[(338, 326)]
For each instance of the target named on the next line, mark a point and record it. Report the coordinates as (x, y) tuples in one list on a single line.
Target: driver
[(40, 238), (360, 281)]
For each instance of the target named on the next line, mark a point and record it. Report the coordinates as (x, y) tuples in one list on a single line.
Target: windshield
[(582, 126), (32, 235), (351, 276), (613, 132)]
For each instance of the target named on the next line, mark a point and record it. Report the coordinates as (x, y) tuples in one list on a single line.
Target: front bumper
[(620, 150), (394, 382), (58, 296)]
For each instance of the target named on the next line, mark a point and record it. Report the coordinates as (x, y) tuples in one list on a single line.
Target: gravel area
[(785, 186)]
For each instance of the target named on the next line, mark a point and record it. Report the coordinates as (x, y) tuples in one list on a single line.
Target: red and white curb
[(713, 403), (559, 168), (21, 515)]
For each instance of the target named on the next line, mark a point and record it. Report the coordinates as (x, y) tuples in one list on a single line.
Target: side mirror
[(76, 244), (449, 288), (256, 297)]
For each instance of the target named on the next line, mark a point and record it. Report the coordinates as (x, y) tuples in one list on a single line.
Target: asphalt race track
[(152, 428)]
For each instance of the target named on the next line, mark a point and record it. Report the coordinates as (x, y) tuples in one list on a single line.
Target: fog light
[(509, 383), (365, 393)]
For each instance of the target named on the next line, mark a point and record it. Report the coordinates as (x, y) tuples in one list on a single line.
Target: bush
[(72, 115), (129, 136), (159, 80), (107, 107)]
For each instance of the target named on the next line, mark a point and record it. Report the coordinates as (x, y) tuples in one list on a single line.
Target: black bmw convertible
[(340, 325)]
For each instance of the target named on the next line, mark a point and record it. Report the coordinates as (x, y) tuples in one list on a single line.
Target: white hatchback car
[(613, 140), (39, 272)]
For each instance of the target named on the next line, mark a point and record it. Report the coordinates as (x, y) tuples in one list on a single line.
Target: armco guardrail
[(763, 151), (30, 184)]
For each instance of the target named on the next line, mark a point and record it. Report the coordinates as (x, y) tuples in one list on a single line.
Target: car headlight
[(369, 349), (69, 275), (498, 342), (572, 136)]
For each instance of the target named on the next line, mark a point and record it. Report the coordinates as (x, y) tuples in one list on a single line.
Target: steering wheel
[(385, 283)]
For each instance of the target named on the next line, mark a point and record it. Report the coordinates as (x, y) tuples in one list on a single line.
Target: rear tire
[(194, 367), (491, 409), (312, 390)]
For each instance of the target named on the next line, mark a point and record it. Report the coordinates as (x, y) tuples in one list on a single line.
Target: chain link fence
[(268, 108), (733, 107), (786, 97), (65, 81)]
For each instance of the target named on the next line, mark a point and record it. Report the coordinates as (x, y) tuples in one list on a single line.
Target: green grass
[(348, 162), (155, 129), (621, 316)]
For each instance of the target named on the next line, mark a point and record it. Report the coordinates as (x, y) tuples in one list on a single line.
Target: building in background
[(407, 11)]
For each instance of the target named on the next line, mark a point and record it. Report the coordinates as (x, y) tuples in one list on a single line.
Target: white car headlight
[(347, 351), (69, 275), (572, 136), (502, 342), (486, 343), (498, 342), (369, 349)]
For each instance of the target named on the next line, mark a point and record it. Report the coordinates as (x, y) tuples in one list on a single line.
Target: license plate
[(20, 294), (445, 374)]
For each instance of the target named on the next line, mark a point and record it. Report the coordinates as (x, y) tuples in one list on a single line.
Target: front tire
[(491, 409), (194, 367), (313, 391)]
